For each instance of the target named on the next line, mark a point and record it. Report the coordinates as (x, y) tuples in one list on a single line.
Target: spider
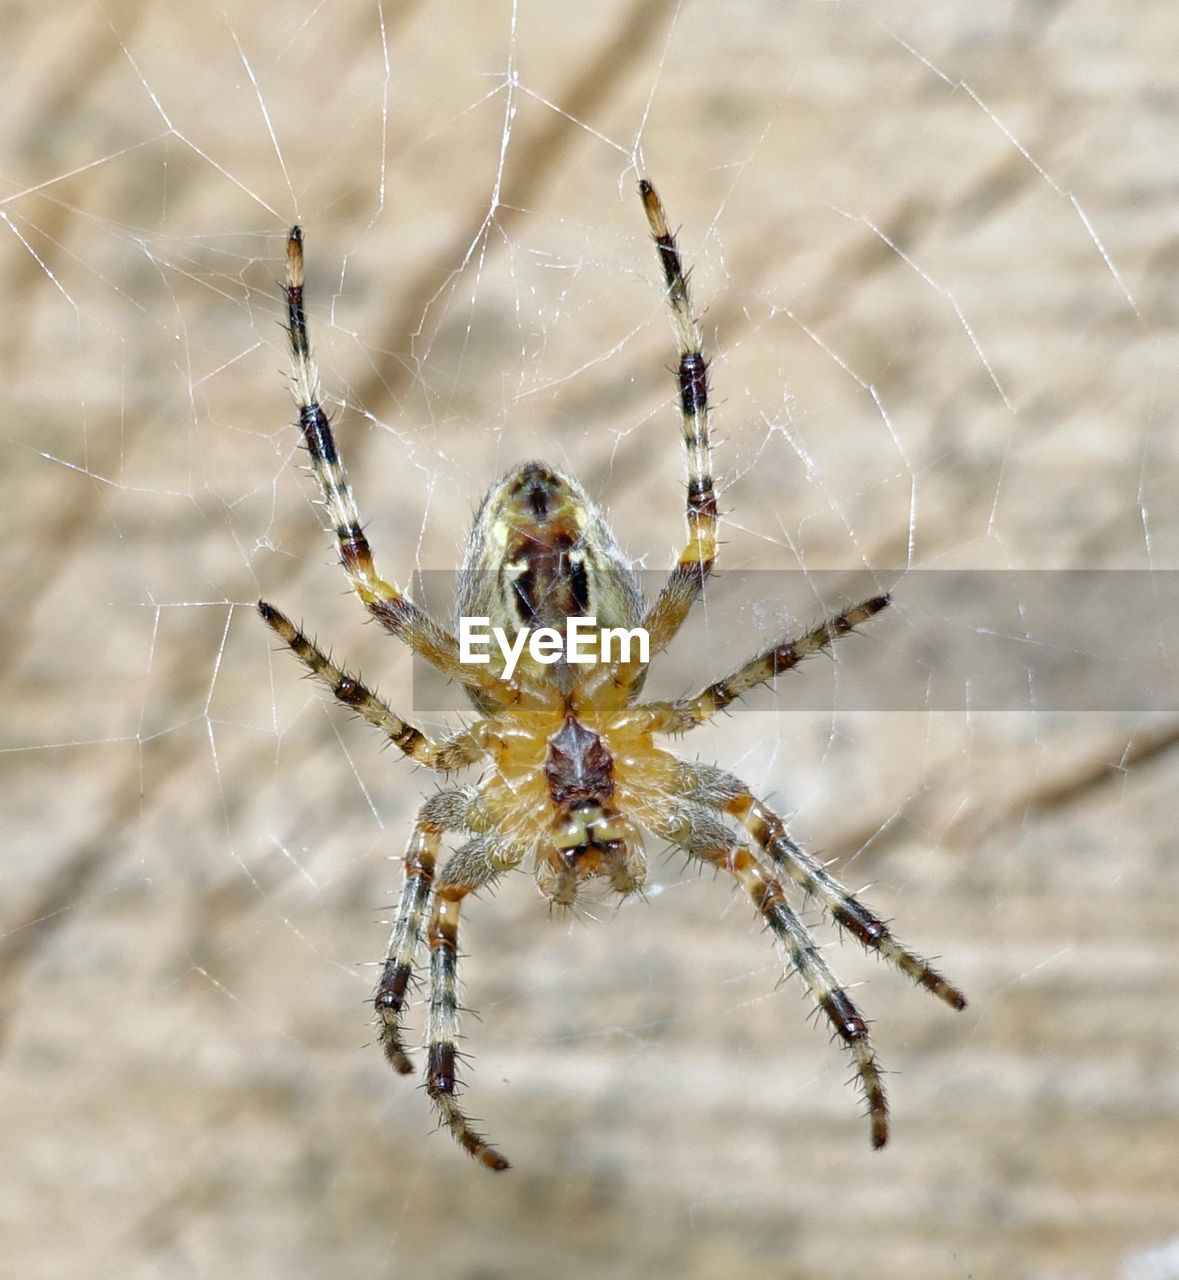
[(571, 770)]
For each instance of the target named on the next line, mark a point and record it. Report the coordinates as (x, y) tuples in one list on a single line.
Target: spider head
[(589, 838), (590, 841)]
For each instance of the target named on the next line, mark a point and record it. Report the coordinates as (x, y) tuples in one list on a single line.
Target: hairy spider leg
[(845, 1019), (392, 995), (455, 752), (844, 908), (687, 713), (442, 1025), (665, 617), (384, 601)]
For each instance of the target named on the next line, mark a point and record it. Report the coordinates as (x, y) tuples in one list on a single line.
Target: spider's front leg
[(700, 832), (397, 973), (844, 908), (716, 790), (707, 795), (470, 868), (479, 862)]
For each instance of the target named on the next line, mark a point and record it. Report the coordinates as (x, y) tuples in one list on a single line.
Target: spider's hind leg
[(665, 617)]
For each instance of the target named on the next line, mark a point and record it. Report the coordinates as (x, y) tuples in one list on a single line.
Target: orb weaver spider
[(572, 773)]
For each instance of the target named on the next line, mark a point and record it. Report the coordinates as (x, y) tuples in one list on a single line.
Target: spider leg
[(716, 789), (665, 617), (705, 837), (391, 996), (477, 863), (844, 908), (687, 713), (453, 753), (773, 662), (470, 868), (383, 600)]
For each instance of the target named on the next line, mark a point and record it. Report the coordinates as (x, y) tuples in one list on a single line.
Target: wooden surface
[(934, 247)]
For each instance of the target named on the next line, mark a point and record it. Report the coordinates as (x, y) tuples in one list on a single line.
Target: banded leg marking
[(782, 657), (846, 1020), (452, 753), (687, 713), (442, 1027), (317, 434), (384, 600), (667, 614), (391, 996), (769, 831)]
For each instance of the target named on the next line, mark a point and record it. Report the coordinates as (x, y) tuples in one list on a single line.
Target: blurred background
[(934, 249)]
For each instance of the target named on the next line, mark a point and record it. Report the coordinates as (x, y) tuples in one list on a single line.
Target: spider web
[(931, 247)]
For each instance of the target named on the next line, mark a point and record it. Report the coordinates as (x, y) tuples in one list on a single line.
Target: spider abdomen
[(540, 553)]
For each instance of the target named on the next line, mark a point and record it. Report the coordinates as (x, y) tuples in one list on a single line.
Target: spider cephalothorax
[(572, 773)]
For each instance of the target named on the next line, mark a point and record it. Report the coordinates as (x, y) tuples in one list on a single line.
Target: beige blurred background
[(934, 246)]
